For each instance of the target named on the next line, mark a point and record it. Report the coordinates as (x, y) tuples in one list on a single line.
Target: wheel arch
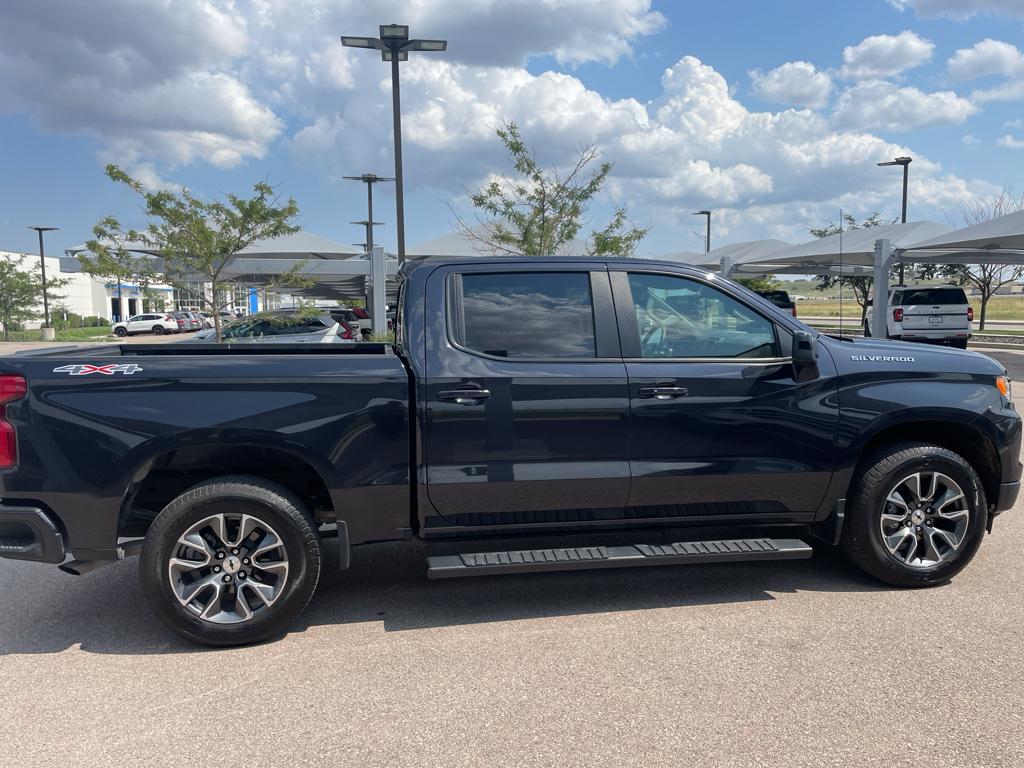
[(164, 471), (965, 439)]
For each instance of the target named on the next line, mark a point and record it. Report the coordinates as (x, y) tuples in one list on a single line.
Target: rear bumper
[(28, 533), (937, 335)]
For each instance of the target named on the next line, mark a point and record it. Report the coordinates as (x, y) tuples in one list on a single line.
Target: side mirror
[(805, 356)]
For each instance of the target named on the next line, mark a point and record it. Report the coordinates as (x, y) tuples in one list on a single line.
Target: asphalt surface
[(805, 663)]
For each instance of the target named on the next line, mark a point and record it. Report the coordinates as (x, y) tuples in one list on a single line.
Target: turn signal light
[(11, 388), (1003, 385), (897, 314)]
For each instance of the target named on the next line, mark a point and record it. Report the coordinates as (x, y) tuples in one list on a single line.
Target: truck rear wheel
[(231, 561), (917, 515)]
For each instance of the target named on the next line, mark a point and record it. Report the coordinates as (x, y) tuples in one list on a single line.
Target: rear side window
[(934, 296), (525, 314)]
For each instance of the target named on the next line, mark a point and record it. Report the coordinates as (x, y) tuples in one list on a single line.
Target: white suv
[(937, 313), (157, 323)]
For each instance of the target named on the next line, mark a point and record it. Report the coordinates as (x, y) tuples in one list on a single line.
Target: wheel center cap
[(917, 516), (232, 564)]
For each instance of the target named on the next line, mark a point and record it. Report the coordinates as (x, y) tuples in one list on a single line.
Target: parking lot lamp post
[(707, 237), (394, 46), (905, 162), (42, 265)]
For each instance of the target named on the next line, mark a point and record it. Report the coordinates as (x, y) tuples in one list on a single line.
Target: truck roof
[(415, 263)]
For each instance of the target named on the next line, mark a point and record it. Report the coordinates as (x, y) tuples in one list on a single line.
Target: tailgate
[(921, 317)]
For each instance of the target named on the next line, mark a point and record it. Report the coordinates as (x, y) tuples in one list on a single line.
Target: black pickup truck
[(631, 412)]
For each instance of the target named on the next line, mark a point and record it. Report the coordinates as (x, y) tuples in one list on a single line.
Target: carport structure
[(338, 272), (873, 251)]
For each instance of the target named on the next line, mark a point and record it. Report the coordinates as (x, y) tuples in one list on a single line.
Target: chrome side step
[(626, 556)]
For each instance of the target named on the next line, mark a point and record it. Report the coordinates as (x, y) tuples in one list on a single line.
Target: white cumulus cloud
[(987, 57), (878, 105), (885, 55), (796, 82)]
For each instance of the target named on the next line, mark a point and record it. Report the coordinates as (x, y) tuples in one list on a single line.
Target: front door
[(720, 427), (527, 411)]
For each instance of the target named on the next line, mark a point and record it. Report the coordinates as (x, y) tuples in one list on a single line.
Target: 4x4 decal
[(85, 369)]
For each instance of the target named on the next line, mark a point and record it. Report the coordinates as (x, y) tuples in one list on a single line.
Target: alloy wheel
[(925, 519), (228, 569)]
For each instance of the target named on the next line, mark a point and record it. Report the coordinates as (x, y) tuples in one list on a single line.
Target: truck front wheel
[(231, 561), (917, 515)]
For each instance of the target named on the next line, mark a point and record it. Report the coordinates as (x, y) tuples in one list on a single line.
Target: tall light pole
[(707, 238), (394, 46), (42, 265), (369, 179), (905, 162)]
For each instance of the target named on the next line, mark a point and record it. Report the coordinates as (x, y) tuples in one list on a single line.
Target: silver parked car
[(302, 326)]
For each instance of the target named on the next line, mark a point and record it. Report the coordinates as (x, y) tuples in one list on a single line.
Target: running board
[(630, 555)]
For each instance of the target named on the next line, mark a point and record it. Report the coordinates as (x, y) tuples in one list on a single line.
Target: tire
[(158, 330), (209, 613), (879, 480), (122, 332), (959, 343)]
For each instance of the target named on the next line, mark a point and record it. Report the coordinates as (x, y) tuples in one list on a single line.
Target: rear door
[(934, 309), (527, 413), (720, 427)]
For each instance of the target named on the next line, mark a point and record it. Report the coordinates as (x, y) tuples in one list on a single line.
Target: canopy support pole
[(725, 268), (378, 284), (880, 308)]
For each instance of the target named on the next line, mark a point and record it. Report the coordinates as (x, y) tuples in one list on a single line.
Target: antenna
[(841, 326)]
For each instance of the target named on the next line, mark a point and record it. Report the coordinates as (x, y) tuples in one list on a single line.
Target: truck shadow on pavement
[(45, 611)]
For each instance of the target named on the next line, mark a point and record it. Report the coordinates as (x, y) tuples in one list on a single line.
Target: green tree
[(762, 283), (20, 291), (196, 239), (113, 262), (859, 285), (986, 279), (540, 211)]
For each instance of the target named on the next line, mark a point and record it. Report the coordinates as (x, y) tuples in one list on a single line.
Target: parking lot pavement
[(805, 663)]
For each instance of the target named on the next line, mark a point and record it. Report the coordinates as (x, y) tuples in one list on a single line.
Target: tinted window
[(934, 296), (528, 314), (678, 317)]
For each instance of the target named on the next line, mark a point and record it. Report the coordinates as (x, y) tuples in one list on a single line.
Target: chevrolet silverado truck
[(630, 412)]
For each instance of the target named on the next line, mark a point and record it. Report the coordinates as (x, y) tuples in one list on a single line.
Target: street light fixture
[(905, 162), (394, 46), (42, 265), (707, 238)]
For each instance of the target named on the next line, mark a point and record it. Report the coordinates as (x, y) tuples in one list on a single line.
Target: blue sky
[(771, 114)]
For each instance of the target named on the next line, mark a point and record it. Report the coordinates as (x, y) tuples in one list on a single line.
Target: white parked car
[(937, 313), (157, 322)]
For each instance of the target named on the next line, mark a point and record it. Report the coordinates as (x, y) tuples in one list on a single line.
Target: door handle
[(464, 396), (663, 393)]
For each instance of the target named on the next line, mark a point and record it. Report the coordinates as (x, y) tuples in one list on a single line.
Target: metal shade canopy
[(858, 249), (685, 257), (977, 243), (299, 245), (744, 253)]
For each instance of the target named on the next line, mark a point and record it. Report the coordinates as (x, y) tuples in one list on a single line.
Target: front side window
[(527, 314), (679, 317)]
